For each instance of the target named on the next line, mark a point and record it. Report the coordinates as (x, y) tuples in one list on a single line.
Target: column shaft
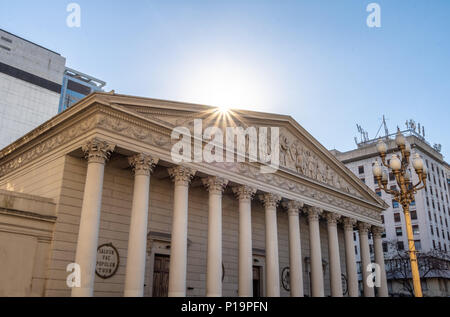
[(334, 257), (365, 258), (97, 153), (295, 249), (379, 259), (214, 271), (272, 257), (137, 241), (350, 260), (317, 286), (244, 194), (178, 248)]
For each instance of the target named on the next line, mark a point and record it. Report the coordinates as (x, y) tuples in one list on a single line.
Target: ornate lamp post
[(406, 192)]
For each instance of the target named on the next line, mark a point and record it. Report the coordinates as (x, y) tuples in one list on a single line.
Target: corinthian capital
[(143, 164), (363, 227), (97, 151), (181, 175), (214, 184), (293, 207), (349, 223), (377, 231), (313, 213), (270, 200), (332, 218), (244, 192)]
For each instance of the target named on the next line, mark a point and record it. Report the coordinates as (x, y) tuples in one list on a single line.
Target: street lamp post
[(406, 192)]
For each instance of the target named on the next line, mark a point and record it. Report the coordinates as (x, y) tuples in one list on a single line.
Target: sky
[(315, 60)]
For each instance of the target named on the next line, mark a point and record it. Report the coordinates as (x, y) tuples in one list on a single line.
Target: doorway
[(161, 276)]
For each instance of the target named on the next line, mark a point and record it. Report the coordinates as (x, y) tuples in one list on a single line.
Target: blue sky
[(314, 60)]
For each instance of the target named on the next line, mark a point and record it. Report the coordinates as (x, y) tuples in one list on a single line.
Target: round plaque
[(286, 279), (107, 261)]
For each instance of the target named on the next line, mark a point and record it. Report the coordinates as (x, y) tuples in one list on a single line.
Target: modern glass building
[(76, 86)]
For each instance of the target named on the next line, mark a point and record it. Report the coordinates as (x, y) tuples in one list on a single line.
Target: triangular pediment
[(300, 154)]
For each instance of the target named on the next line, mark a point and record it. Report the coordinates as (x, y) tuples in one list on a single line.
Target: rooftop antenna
[(386, 131), (363, 134)]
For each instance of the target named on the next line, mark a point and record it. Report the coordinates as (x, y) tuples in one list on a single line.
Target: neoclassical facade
[(103, 174)]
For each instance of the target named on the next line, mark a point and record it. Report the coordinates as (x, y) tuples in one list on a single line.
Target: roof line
[(30, 42)]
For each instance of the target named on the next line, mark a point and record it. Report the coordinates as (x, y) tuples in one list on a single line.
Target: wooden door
[(256, 281), (161, 276)]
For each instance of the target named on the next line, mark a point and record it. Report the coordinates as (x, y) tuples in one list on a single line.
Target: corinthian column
[(270, 202), (181, 176), (295, 248), (350, 261), (215, 186), (379, 259), (316, 253), (365, 257), (142, 165), (333, 254), (244, 194), (97, 153)]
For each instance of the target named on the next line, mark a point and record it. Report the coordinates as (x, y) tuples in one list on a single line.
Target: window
[(385, 247), (400, 245), (391, 176), (418, 245), (416, 229), (378, 192), (431, 229), (361, 169), (434, 244), (395, 204), (413, 203), (413, 215), (398, 231), (371, 249), (354, 236), (382, 219), (397, 217), (356, 250), (6, 39)]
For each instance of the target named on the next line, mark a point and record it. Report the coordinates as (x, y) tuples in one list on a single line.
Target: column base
[(177, 294), (82, 292), (133, 293)]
